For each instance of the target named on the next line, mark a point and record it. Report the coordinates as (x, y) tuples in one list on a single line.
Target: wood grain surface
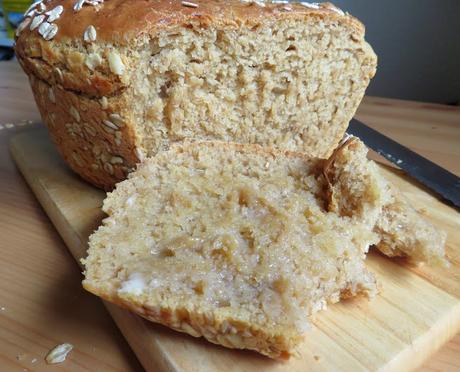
[(39, 277)]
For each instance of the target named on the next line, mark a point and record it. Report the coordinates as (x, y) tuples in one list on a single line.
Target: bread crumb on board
[(59, 353)]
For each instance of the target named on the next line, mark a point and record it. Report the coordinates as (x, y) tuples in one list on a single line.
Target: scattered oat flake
[(310, 5), (36, 21), (54, 13), (59, 353), (109, 124), (78, 5), (51, 32), (115, 63), (189, 4), (9, 125), (44, 28), (3, 308), (34, 360), (90, 34), (139, 154)]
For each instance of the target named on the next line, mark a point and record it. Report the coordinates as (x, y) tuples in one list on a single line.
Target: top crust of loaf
[(126, 22), (132, 23)]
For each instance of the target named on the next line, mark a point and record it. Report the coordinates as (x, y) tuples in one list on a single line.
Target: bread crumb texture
[(237, 243)]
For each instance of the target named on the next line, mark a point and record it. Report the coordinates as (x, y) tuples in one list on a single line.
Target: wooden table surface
[(42, 303)]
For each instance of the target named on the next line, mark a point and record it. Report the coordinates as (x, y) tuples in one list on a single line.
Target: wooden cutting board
[(417, 311)]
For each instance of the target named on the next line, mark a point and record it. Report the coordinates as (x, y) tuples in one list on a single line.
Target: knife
[(444, 183)]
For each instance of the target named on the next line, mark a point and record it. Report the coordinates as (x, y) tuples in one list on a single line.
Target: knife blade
[(443, 182)]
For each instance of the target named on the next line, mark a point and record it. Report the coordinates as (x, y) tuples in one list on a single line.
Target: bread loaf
[(118, 80)]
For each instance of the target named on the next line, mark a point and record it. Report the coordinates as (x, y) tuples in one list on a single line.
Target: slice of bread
[(235, 242), (241, 244), (404, 233), (402, 230)]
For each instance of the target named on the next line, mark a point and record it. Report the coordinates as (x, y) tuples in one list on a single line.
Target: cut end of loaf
[(292, 84), (233, 243)]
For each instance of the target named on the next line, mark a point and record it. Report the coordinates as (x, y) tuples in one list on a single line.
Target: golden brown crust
[(231, 333), (122, 22), (101, 154)]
